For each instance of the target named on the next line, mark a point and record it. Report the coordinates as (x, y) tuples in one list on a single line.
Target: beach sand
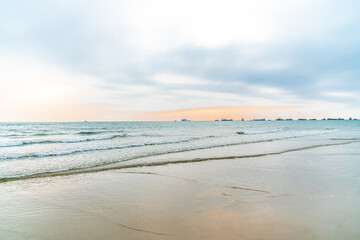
[(306, 193)]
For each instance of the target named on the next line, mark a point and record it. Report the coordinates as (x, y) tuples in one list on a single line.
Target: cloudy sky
[(80, 60)]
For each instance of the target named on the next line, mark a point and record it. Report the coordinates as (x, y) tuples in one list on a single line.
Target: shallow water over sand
[(31, 148), (310, 192)]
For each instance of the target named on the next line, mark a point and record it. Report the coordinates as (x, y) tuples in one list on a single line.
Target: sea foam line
[(49, 141), (63, 153), (260, 132), (76, 151), (152, 164)]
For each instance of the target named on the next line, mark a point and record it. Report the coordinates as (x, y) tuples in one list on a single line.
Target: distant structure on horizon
[(334, 119), (277, 119), (302, 119)]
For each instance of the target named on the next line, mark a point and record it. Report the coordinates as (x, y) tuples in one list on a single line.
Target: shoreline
[(139, 162), (295, 194)]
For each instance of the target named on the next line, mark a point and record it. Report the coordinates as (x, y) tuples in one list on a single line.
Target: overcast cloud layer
[(136, 60)]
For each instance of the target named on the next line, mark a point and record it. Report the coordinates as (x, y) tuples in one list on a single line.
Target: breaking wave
[(49, 141), (107, 166)]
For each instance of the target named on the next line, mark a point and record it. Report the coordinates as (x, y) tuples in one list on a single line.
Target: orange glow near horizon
[(236, 113), (66, 111)]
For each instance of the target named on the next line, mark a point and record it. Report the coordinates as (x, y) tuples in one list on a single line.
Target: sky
[(76, 60)]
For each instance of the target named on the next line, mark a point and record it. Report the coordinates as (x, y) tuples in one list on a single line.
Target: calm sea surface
[(29, 148)]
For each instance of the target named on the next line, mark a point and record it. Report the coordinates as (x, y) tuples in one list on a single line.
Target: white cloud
[(339, 94), (180, 80), (268, 90), (161, 25)]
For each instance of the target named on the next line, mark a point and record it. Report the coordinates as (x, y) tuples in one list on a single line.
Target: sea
[(27, 149)]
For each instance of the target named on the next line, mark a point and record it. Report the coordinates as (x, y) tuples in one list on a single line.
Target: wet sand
[(305, 193)]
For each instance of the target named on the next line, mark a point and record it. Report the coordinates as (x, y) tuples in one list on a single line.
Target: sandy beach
[(179, 120), (306, 193)]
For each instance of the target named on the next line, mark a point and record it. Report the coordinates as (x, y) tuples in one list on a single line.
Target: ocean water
[(32, 148), (180, 180)]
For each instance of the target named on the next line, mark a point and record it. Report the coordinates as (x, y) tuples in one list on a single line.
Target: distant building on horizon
[(226, 120), (335, 119)]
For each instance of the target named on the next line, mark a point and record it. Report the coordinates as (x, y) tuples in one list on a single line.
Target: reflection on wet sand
[(203, 182)]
